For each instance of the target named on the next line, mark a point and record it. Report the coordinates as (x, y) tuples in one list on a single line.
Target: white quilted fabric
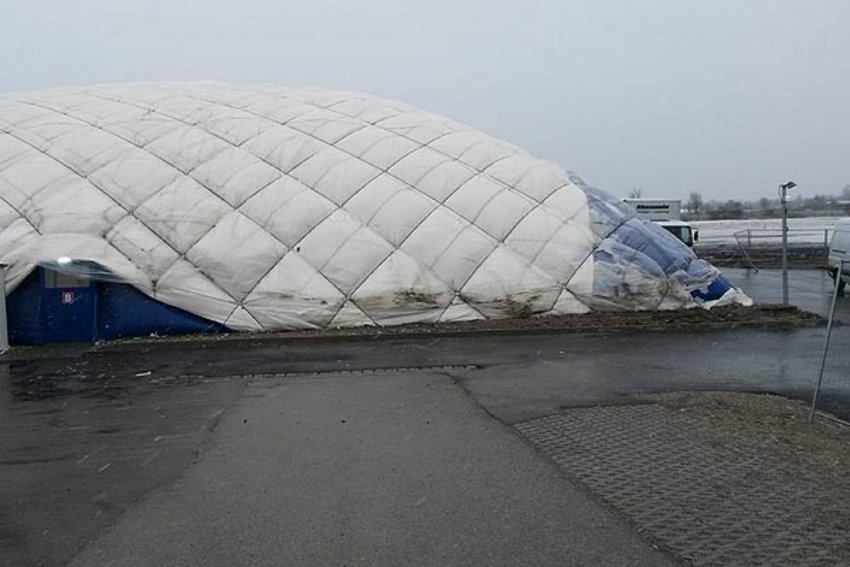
[(270, 208)]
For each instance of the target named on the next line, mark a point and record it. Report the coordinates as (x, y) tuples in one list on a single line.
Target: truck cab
[(839, 250), (681, 230), (666, 213)]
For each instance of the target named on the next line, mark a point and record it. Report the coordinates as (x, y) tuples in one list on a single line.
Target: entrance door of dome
[(69, 307)]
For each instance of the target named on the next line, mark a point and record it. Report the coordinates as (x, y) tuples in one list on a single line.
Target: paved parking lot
[(114, 455), (711, 497)]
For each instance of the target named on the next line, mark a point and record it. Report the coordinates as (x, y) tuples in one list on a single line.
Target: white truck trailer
[(667, 213)]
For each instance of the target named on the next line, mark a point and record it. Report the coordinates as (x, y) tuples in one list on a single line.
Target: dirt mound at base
[(726, 317)]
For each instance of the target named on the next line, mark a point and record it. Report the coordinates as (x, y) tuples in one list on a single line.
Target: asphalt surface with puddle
[(365, 452)]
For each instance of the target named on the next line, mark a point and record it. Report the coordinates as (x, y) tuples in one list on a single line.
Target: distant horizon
[(726, 99)]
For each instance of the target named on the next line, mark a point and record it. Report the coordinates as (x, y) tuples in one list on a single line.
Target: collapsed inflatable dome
[(262, 208)]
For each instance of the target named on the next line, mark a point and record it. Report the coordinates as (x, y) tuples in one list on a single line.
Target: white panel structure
[(262, 207)]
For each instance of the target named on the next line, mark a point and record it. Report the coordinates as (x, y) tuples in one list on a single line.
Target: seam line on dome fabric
[(334, 143), (372, 101), (14, 159), (534, 205), (50, 110), (342, 205), (31, 225), (346, 296), (501, 159), (95, 185), (533, 209), (565, 289), (475, 271), (548, 241), (26, 220), (389, 132), (596, 246), (234, 174), (131, 213), (29, 199), (457, 291), (286, 173), (69, 168), (137, 146), (214, 193), (459, 160), (21, 215), (398, 106), (246, 199), (528, 263), (245, 309), (332, 169), (127, 213), (334, 166), (502, 243), (469, 148), (266, 272), (368, 148), (527, 173), (540, 206), (188, 172), (494, 162), (11, 206), (213, 134), (454, 239), (386, 171), (377, 124), (567, 283)]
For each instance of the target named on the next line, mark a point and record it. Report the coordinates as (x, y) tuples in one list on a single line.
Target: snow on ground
[(809, 230)]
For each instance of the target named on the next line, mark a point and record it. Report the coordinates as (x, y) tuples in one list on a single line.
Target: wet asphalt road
[(349, 467), (372, 470), (808, 289)]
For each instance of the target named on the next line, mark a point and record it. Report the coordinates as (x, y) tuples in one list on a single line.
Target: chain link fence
[(757, 248)]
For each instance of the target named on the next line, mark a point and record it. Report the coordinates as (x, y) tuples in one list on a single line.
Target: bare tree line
[(696, 208)]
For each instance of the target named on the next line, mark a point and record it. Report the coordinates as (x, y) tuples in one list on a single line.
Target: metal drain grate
[(710, 499)]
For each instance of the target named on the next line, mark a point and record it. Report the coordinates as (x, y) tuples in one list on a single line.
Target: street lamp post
[(783, 196)]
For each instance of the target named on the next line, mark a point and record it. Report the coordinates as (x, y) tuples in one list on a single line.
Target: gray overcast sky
[(726, 97)]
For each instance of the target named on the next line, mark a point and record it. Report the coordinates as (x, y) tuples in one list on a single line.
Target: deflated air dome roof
[(272, 208)]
